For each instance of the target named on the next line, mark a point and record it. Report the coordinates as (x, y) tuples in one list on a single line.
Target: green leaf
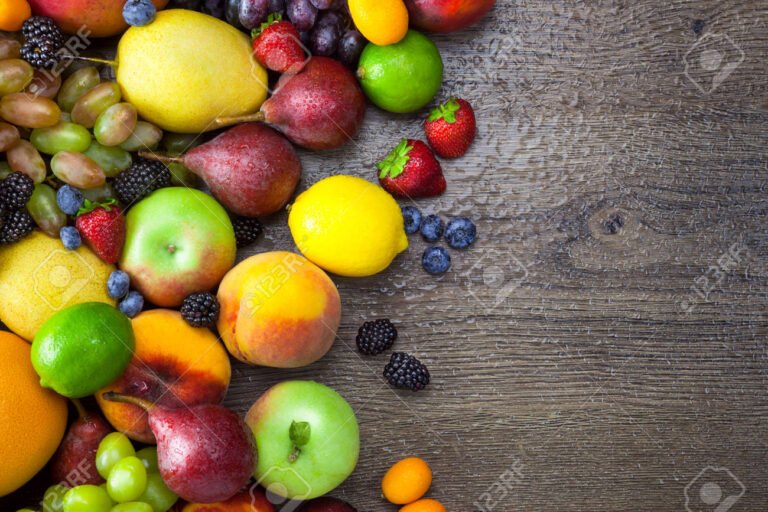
[(446, 111), (89, 206), (271, 20), (300, 433), (394, 164)]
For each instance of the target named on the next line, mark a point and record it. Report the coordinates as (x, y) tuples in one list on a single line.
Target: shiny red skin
[(279, 48), (103, 229), (74, 463), (446, 15), (422, 177), (452, 140), (251, 169), (205, 453), (326, 504), (321, 107)]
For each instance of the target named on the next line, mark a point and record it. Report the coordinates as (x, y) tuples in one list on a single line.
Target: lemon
[(348, 226), (39, 277)]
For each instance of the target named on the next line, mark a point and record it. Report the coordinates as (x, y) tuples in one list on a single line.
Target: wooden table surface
[(603, 345)]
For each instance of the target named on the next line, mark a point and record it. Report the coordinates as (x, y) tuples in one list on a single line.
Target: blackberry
[(42, 41), (15, 190), (143, 177), (18, 224), (247, 230), (200, 309), (405, 371), (376, 337)]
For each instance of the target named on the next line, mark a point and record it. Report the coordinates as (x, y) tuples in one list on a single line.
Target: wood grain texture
[(598, 348)]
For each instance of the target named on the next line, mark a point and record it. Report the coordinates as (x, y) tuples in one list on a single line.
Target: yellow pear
[(185, 69), (39, 277)]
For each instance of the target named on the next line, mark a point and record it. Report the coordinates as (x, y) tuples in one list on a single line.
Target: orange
[(407, 481), (382, 22), (13, 13), (32, 419), (427, 505)]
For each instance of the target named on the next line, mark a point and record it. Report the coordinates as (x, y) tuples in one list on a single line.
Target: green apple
[(178, 241), (308, 439)]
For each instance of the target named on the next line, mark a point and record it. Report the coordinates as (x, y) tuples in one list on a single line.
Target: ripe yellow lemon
[(33, 418), (348, 226), (39, 277)]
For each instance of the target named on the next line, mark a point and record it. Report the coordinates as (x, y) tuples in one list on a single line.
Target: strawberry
[(451, 128), (102, 227), (411, 170), (277, 45)]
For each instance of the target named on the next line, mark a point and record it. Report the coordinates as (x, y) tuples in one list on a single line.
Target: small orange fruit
[(13, 13), (407, 481), (382, 22), (427, 505)]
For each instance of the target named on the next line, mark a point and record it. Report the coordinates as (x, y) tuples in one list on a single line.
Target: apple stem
[(258, 117), (81, 412), (126, 399), (95, 60), (166, 159)]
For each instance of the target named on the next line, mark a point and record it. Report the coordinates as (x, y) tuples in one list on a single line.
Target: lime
[(82, 348), (401, 77), (348, 226)]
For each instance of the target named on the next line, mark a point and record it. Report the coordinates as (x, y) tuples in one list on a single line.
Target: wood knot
[(613, 224)]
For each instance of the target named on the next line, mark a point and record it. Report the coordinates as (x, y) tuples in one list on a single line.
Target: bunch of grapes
[(325, 25), (133, 483)]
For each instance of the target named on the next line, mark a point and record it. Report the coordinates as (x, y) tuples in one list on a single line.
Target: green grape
[(9, 49), (33, 510), (116, 124), (15, 75), (87, 498), (5, 170), (53, 499), (90, 106), (24, 158), (181, 176), (42, 206), (29, 111), (78, 83), (132, 506), (145, 136), (158, 494), (127, 480), (62, 137), (114, 447), (112, 161), (77, 170), (44, 84), (148, 457), (99, 194), (9, 136), (177, 143)]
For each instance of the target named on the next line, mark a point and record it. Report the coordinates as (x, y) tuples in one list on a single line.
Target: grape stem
[(257, 117), (159, 157), (126, 399)]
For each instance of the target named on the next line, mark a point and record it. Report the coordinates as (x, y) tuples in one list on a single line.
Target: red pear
[(205, 453), (251, 169), (74, 463), (320, 107)]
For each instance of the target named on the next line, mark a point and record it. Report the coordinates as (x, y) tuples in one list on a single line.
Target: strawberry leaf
[(273, 18), (445, 111), (394, 164), (89, 206)]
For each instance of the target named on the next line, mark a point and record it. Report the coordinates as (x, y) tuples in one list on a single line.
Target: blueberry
[(132, 304), (460, 233), (118, 284), (69, 199), (412, 218), (432, 228), (70, 237), (436, 260), (138, 13)]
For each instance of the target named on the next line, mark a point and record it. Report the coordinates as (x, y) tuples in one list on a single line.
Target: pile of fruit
[(123, 204)]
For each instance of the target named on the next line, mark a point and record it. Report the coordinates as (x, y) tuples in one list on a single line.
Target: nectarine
[(253, 500), (93, 18), (446, 15), (278, 309), (173, 365)]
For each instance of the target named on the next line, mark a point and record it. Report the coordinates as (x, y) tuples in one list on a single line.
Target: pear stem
[(126, 399), (81, 412), (257, 117), (166, 159), (96, 60)]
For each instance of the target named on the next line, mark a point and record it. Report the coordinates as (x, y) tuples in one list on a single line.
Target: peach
[(254, 500), (174, 365), (278, 309), (446, 15), (93, 18)]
